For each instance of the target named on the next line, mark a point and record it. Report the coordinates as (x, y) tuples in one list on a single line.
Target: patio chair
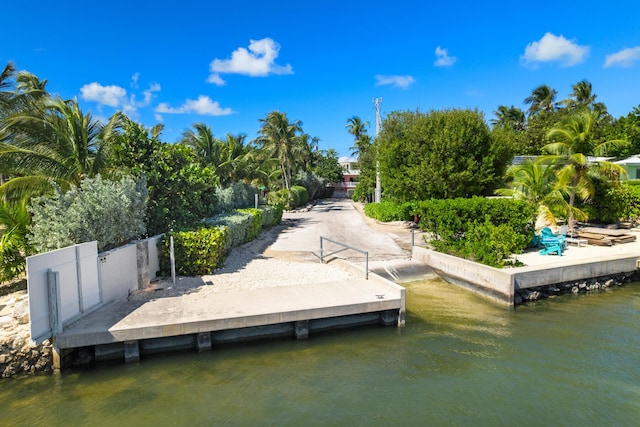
[(552, 243)]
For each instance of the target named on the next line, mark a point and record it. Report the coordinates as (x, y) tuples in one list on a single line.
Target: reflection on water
[(461, 360)]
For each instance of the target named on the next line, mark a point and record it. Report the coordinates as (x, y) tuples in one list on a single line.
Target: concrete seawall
[(502, 284)]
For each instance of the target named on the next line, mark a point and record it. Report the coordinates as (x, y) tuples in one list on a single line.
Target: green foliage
[(327, 169), (313, 183), (110, 212), (627, 128), (239, 225), (197, 252), (14, 248), (286, 199), (613, 203), (453, 223), (181, 191), (303, 195), (489, 244), (256, 223), (387, 211), (234, 196), (271, 215), (441, 154)]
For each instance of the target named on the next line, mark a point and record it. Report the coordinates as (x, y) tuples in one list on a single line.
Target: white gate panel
[(118, 272), (90, 283)]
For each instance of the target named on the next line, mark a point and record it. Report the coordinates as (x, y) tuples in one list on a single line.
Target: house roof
[(629, 161)]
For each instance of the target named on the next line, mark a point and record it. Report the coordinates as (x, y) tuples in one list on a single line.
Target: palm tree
[(573, 144), (202, 140), (583, 93), (14, 223), (542, 99), (53, 143), (232, 166), (277, 139), (356, 127), (509, 118), (534, 181)]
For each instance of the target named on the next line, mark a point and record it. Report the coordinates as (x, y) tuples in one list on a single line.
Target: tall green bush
[(197, 252), (234, 196), (303, 194), (271, 215), (286, 199), (256, 222), (111, 212), (478, 228)]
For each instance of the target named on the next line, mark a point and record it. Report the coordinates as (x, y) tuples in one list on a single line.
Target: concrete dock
[(301, 307)]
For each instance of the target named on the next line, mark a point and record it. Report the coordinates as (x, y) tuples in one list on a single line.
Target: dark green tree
[(440, 154)]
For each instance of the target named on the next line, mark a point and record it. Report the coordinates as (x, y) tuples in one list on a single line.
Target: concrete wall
[(492, 282), (62, 284), (118, 272), (529, 277), (84, 280), (501, 284)]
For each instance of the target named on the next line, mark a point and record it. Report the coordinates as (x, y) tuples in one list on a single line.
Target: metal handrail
[(345, 247)]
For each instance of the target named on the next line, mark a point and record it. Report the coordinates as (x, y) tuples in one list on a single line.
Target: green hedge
[(480, 229), (239, 225), (197, 252), (303, 194), (387, 211), (286, 199), (256, 222), (271, 215)]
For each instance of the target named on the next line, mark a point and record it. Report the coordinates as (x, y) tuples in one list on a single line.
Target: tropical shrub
[(181, 191), (478, 228), (387, 211), (612, 203), (197, 252), (14, 248), (313, 183), (303, 195), (286, 199), (234, 196), (271, 215), (256, 223), (239, 225), (111, 212)]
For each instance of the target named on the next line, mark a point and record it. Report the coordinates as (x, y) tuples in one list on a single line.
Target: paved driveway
[(336, 219)]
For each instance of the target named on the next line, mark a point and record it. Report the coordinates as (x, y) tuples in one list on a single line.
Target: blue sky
[(229, 63)]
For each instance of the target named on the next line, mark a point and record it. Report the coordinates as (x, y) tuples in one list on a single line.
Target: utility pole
[(378, 194)]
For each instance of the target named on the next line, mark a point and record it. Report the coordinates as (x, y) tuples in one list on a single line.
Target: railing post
[(366, 265), (412, 241)]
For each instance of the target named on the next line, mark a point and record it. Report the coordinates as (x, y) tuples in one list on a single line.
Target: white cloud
[(444, 60), (257, 61), (113, 96), (134, 80), (397, 81), (623, 58), (203, 105), (554, 48)]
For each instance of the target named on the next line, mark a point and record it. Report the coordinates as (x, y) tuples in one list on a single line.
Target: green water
[(460, 360)]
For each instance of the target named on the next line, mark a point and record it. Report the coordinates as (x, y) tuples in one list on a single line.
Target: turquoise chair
[(551, 243)]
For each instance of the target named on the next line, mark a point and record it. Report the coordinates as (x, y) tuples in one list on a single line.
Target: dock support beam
[(203, 341), (301, 329), (131, 351), (56, 357), (389, 317)]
